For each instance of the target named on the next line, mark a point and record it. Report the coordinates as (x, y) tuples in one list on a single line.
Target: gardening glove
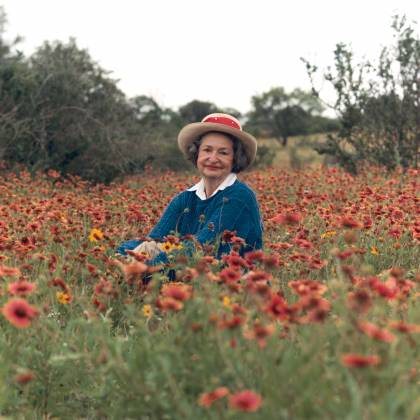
[(151, 248)]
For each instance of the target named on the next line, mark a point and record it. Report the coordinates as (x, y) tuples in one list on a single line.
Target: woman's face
[(215, 156)]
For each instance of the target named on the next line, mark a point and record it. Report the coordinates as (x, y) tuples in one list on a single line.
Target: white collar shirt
[(201, 193)]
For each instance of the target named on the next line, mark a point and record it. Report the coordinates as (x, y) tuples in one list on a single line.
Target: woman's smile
[(215, 157)]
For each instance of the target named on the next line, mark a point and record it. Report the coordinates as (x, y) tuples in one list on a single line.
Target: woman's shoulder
[(241, 191)]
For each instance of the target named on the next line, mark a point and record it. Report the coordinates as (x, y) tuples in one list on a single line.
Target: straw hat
[(223, 123)]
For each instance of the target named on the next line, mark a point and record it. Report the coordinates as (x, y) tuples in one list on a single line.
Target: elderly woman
[(219, 149)]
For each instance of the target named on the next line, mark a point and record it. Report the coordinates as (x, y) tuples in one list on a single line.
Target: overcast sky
[(223, 51)]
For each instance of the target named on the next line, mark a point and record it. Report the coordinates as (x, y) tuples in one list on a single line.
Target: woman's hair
[(240, 159)]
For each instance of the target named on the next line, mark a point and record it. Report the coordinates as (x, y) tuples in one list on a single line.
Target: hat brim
[(194, 131)]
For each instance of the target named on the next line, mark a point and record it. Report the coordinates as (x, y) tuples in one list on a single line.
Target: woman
[(219, 149)]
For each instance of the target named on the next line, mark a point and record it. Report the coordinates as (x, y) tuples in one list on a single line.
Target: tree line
[(60, 110)]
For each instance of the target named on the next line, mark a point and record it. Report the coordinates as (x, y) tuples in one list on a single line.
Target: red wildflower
[(260, 332), (258, 276), (227, 236), (246, 400), (52, 263), (238, 309), (303, 243), (59, 282), (235, 261), (253, 256), (105, 287), (281, 245), (373, 331), (342, 255), (232, 323), (271, 261), (99, 304), (19, 313), (24, 378), (316, 263), (287, 218), (230, 274), (132, 271), (358, 360), (317, 308), (359, 301), (21, 288), (169, 304), (388, 289), (367, 222), (277, 307), (349, 222), (307, 287), (208, 398), (401, 326), (177, 291)]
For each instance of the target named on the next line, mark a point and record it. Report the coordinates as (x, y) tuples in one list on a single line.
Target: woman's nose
[(213, 156)]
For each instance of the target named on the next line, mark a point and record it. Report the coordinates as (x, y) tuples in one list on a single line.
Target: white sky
[(223, 51)]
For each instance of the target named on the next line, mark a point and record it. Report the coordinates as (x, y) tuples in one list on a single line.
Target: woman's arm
[(232, 215), (167, 223)]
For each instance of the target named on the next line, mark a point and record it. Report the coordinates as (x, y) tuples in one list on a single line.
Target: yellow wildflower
[(226, 301), (95, 235), (374, 250), (147, 311), (328, 234), (63, 297), (169, 247), (166, 247)]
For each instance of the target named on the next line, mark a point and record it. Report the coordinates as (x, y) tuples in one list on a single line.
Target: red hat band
[(222, 120)]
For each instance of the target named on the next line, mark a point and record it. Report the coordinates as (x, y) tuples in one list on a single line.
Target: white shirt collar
[(199, 187)]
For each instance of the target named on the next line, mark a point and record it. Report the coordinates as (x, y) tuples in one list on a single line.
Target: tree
[(279, 114), (378, 105), (195, 111), (15, 84), (77, 120)]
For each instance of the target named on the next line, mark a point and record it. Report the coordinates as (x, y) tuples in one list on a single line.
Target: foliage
[(195, 111), (279, 114), (323, 323), (378, 106)]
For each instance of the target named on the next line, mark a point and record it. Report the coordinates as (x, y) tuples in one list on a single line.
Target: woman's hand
[(151, 248)]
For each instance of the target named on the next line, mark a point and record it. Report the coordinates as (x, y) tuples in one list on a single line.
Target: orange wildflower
[(9, 271), (64, 297), (208, 398)]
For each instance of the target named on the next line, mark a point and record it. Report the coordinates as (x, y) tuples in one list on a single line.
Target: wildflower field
[(323, 323)]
